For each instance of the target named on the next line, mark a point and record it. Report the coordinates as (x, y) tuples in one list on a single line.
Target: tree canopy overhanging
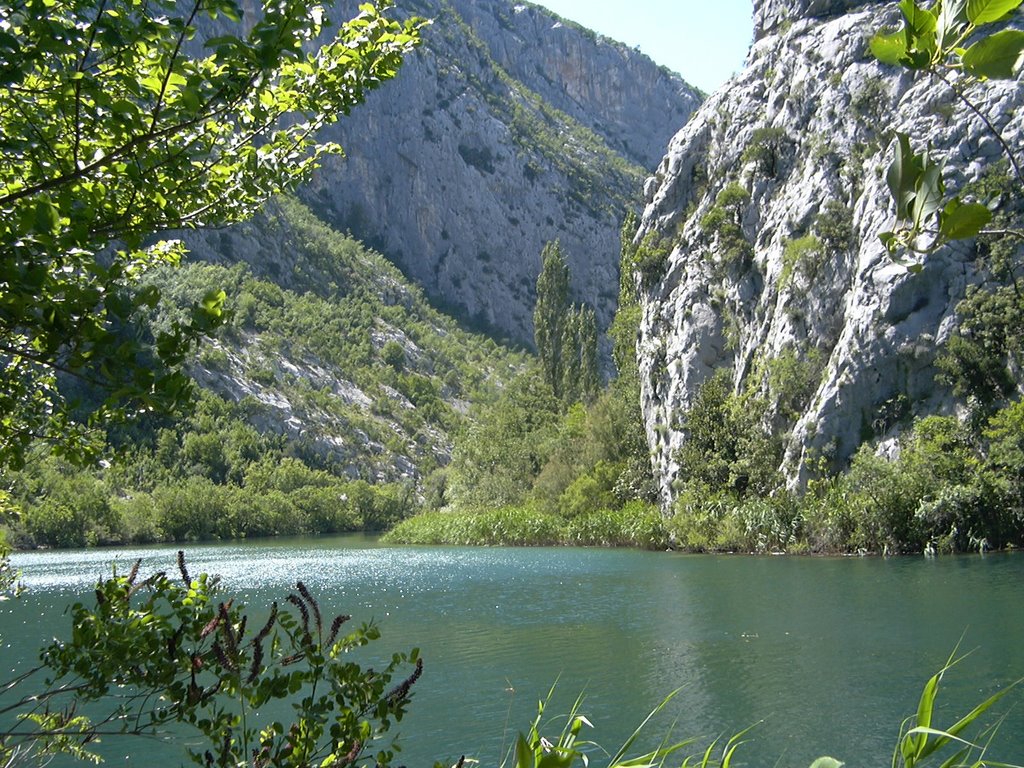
[(113, 130)]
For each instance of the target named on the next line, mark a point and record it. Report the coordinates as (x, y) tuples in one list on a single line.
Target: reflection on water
[(830, 653)]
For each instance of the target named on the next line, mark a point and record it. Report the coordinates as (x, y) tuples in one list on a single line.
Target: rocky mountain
[(762, 224), (510, 127), (331, 349)]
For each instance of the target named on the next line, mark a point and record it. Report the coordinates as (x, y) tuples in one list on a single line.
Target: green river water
[(830, 653)]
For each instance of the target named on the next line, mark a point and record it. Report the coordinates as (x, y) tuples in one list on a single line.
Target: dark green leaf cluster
[(729, 445), (766, 150), (724, 223)]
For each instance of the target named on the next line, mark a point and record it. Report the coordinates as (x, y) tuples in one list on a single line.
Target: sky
[(705, 41)]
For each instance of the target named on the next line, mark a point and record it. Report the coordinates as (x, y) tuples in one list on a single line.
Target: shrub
[(723, 222), (393, 354), (765, 150), (590, 491), (728, 446), (801, 256), (834, 226)]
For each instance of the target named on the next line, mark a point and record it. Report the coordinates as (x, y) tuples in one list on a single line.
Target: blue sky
[(705, 41)]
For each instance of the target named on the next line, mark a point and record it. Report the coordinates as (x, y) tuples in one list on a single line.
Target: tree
[(590, 377), (110, 133), (580, 377), (500, 454), (550, 314)]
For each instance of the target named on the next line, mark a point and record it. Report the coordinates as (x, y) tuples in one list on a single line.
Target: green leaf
[(925, 708), (987, 11), (523, 753), (963, 220), (47, 217), (952, 18), (903, 174), (827, 762), (929, 192), (997, 57), (920, 21), (889, 48)]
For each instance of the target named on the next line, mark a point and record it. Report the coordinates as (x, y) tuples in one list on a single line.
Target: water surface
[(830, 654)]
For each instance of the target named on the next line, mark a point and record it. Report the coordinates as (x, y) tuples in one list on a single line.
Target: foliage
[(645, 260), (635, 524), (979, 359), (803, 256), (497, 456), (580, 377), (263, 492), (916, 184), (9, 584), (724, 221), (157, 651), (793, 378), (951, 42), (922, 743), (110, 133), (919, 743), (317, 346), (765, 150), (834, 226), (1005, 463), (728, 446), (550, 313), (566, 336), (508, 526), (533, 750), (950, 489)]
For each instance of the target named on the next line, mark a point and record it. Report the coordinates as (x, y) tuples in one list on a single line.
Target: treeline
[(212, 476), (555, 459), (372, 377), (534, 468)]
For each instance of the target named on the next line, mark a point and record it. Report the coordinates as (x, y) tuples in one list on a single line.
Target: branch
[(78, 83), (985, 120), (170, 64)]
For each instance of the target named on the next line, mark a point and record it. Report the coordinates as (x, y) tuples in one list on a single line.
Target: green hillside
[(320, 407)]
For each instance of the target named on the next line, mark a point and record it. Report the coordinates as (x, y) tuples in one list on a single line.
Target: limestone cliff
[(770, 202), (510, 127)]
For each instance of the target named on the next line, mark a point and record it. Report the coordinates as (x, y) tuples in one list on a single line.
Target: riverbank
[(636, 525)]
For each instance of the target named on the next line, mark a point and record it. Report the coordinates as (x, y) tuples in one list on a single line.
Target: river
[(827, 654)]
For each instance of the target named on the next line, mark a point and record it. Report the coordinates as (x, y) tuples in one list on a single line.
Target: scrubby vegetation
[(371, 377)]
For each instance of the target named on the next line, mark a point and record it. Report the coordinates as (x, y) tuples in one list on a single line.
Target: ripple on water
[(832, 653)]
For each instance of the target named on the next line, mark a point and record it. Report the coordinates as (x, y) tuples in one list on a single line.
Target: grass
[(528, 526)]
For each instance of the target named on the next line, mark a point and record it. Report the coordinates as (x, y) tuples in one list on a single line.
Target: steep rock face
[(769, 15), (787, 265), (509, 128)]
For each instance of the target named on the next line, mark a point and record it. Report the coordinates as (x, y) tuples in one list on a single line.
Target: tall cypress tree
[(589, 377), (570, 363), (550, 313)]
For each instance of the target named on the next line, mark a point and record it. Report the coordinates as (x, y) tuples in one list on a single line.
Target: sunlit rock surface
[(874, 329)]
